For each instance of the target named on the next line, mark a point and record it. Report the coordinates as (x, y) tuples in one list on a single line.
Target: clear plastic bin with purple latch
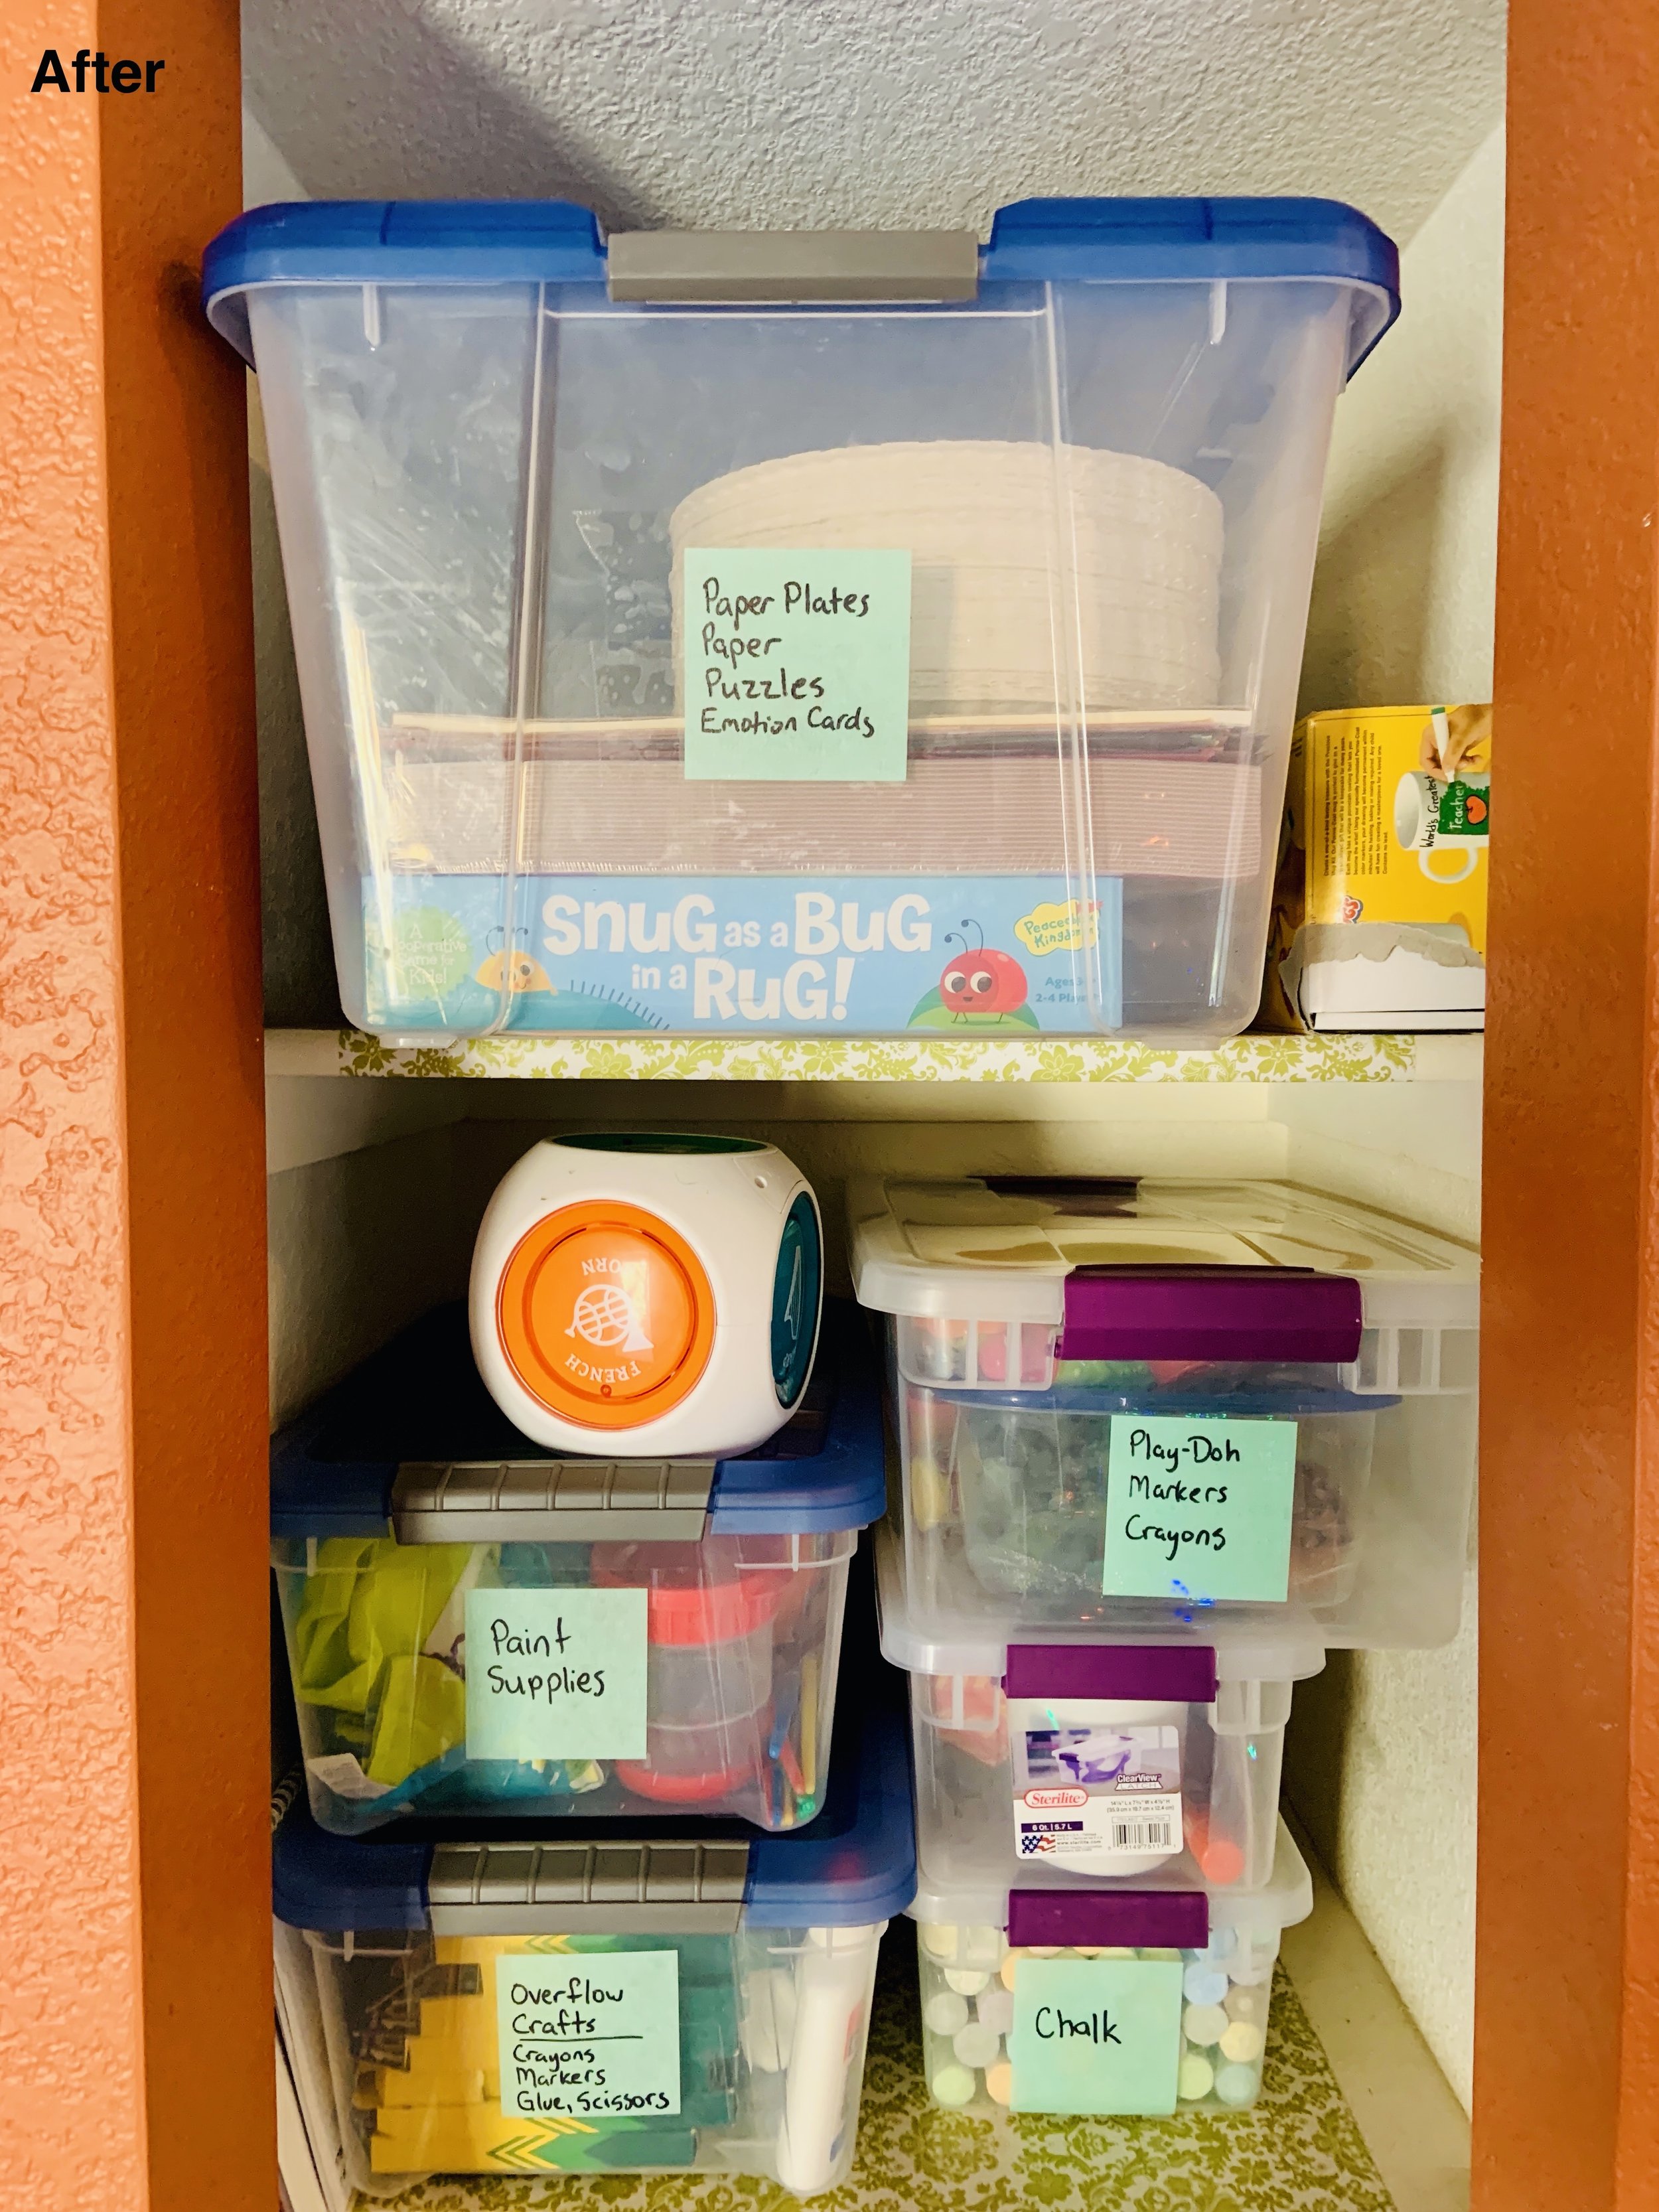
[(1169, 1408), (1184, 1976), (1076, 1760)]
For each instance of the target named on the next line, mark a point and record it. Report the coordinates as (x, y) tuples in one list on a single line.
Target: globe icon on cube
[(603, 1316)]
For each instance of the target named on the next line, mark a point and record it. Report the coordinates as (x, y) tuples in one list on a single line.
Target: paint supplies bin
[(677, 1998), (1101, 2001), (1172, 1407), (478, 1628), (815, 632), (1074, 1760)]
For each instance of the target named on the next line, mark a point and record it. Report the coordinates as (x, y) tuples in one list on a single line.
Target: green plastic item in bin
[(370, 1606)]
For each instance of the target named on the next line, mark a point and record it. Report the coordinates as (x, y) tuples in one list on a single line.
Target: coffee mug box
[(1387, 821)]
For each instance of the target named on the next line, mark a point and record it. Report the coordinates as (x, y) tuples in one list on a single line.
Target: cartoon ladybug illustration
[(981, 980)]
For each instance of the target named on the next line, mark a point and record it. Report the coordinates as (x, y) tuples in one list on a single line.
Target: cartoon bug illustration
[(520, 973), (981, 980)]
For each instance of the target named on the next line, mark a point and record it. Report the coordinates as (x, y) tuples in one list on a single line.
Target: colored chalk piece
[(1096, 2035), (1200, 1508)]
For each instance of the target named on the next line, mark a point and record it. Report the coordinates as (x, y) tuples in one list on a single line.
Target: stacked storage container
[(1163, 1445), (693, 630), (475, 1999), (854, 634), (545, 1694)]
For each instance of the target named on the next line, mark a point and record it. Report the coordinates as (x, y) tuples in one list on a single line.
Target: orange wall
[(135, 2023), (1566, 2103), (68, 1807)]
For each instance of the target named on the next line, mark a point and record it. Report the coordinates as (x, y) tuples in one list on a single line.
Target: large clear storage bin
[(477, 1627), (1165, 1406), (855, 632), (1176, 1987), (661, 1999), (1075, 1760)]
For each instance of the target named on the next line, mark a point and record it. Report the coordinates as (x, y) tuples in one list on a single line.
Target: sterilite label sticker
[(797, 665), (588, 2036), (555, 1674), (1095, 2035), (1199, 1510), (1086, 1786)]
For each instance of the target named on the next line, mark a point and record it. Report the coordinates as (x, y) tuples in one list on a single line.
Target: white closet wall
[(1381, 1757)]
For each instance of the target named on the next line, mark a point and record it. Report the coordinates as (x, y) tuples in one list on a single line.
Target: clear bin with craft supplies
[(479, 1628), (814, 633), (653, 1295), (1175, 1407), (669, 1998), (1101, 2000), (1076, 1759)]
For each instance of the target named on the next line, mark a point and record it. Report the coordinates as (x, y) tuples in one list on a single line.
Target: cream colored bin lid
[(1001, 1248)]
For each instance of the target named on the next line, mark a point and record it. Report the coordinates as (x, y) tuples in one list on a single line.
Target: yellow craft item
[(430, 2085), (463, 2139)]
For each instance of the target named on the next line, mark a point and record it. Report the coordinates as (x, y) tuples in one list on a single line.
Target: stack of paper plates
[(1026, 555)]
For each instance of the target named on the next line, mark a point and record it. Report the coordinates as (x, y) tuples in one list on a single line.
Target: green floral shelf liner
[(1297, 2150), (1333, 1059)]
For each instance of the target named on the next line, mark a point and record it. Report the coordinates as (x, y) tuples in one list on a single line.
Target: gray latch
[(556, 1889), (735, 268), (557, 1501)]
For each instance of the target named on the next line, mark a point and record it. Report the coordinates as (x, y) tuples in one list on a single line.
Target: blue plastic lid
[(854, 1863), (1034, 241), (421, 1398)]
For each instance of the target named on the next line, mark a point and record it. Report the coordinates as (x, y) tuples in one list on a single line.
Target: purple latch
[(1139, 1919), (1284, 1314), (1149, 1673)]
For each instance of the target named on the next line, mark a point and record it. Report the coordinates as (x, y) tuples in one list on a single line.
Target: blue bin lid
[(1034, 241), (421, 1398), (856, 1862)]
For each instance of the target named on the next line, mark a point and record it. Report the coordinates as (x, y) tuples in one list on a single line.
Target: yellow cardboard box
[(1379, 917)]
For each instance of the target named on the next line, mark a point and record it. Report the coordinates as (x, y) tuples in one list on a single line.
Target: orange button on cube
[(606, 1315)]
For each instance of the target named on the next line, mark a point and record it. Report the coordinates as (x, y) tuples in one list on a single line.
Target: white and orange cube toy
[(649, 1296)]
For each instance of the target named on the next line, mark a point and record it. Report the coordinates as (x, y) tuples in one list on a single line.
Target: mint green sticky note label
[(588, 2037), (1199, 1510), (1095, 2035), (555, 1674), (797, 665)]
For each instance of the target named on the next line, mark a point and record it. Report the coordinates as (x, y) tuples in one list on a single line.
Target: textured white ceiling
[(823, 113)]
